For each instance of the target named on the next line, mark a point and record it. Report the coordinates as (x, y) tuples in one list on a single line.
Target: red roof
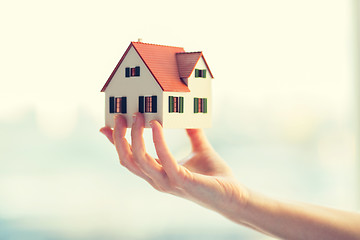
[(187, 61), (166, 64)]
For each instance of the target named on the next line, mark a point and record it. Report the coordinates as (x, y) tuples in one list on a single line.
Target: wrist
[(236, 210)]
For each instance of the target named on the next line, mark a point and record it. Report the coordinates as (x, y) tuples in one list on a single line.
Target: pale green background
[(284, 112)]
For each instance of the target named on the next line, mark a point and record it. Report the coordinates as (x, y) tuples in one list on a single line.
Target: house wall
[(200, 88), (132, 88)]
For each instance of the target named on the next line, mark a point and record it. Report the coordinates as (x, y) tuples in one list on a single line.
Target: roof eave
[(116, 68), (148, 68), (207, 66), (187, 90)]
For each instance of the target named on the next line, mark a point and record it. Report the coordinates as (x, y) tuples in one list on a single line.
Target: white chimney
[(139, 39)]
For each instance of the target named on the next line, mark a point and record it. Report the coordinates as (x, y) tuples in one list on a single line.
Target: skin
[(206, 179)]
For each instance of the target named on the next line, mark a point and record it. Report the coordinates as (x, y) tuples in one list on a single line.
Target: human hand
[(206, 179), (203, 177)]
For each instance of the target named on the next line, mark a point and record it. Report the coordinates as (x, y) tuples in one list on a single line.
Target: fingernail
[(134, 118), (151, 123)]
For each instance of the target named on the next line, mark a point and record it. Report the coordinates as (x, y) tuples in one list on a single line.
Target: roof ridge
[(153, 44), (189, 52)]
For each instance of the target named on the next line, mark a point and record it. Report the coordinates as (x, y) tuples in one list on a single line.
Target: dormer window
[(200, 73), (132, 72)]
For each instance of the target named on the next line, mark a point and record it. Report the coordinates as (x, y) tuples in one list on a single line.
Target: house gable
[(190, 115), (115, 69), (143, 84), (187, 61), (134, 89), (160, 61)]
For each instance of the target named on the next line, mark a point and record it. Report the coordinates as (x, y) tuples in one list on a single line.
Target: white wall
[(200, 88), (132, 88)]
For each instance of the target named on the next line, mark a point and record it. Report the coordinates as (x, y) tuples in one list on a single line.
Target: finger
[(137, 141), (123, 147), (145, 162), (198, 139), (124, 150), (121, 144), (108, 132), (166, 159)]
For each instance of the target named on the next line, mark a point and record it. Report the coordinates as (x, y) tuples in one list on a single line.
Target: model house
[(162, 82)]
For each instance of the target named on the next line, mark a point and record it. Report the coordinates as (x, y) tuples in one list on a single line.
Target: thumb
[(198, 139), (165, 157)]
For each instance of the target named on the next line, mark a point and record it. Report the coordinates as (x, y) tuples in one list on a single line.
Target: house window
[(148, 104), (117, 104), (176, 104), (200, 105), (200, 73), (132, 72)]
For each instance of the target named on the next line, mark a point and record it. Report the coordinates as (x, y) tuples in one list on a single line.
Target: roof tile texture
[(161, 61), (186, 63), (167, 65)]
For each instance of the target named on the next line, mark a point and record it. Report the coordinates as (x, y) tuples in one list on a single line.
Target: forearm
[(206, 179), (297, 221)]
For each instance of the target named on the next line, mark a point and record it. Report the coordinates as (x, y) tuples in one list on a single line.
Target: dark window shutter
[(141, 104), (181, 104), (123, 105), (111, 104), (171, 104), (205, 105), (204, 73), (196, 72), (137, 71), (154, 104), (196, 105), (127, 72)]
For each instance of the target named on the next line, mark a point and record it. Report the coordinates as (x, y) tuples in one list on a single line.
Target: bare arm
[(206, 179), (291, 220)]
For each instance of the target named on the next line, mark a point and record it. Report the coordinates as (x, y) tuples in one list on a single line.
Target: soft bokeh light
[(284, 112)]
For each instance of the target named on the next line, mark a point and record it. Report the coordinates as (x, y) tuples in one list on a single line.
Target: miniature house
[(162, 82)]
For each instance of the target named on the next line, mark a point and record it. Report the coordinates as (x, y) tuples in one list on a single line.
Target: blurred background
[(285, 111)]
